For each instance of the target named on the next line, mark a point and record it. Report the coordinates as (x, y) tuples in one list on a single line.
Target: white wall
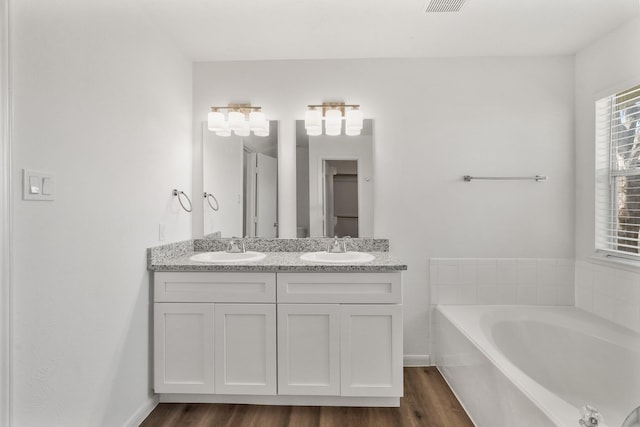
[(435, 121), (105, 103), (5, 221), (609, 65)]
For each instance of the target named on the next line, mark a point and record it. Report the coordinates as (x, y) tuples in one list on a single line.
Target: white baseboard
[(417, 360), (288, 400), (143, 412)]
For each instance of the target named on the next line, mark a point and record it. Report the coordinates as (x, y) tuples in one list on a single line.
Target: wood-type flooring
[(427, 402)]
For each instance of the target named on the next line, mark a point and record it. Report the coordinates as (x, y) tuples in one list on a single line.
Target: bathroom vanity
[(278, 331)]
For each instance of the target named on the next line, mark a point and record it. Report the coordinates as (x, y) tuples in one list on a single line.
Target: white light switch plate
[(38, 185)]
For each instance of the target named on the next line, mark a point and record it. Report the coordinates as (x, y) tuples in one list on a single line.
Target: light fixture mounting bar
[(333, 106), (241, 108)]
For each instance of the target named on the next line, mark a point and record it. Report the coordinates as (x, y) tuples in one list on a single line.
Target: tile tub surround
[(282, 255), (609, 292), (506, 281)]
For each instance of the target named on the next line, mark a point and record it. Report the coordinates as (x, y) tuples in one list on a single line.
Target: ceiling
[(220, 30)]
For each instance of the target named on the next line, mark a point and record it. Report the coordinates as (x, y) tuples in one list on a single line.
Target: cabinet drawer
[(214, 287), (372, 288)]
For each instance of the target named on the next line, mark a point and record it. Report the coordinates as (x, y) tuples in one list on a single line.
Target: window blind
[(618, 173)]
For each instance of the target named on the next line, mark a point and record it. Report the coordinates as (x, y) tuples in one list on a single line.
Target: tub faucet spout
[(589, 417)]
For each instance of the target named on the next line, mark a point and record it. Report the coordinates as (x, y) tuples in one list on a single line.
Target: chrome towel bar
[(537, 178)]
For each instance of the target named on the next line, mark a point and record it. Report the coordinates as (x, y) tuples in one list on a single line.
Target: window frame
[(609, 112)]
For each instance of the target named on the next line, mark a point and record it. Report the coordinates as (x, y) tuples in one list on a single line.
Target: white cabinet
[(309, 349), (371, 350), (342, 288), (214, 287), (297, 338), (245, 348), (340, 349), (206, 342), (183, 348)]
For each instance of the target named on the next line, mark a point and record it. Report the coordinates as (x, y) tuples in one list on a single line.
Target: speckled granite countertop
[(175, 257), (282, 261)]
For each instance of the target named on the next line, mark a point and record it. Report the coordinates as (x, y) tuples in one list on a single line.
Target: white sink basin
[(338, 257), (222, 257)]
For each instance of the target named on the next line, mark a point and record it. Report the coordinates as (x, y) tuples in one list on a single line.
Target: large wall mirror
[(334, 183), (240, 179)]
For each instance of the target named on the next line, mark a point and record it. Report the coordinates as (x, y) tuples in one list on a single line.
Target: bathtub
[(536, 366)]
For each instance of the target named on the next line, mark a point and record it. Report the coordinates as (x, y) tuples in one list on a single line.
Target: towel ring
[(180, 194), (209, 196)]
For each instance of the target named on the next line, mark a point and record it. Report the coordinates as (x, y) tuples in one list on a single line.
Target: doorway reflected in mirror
[(334, 177), (341, 198)]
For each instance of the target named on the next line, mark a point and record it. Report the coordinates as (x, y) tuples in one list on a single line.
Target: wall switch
[(161, 235), (34, 185), (47, 186), (37, 185)]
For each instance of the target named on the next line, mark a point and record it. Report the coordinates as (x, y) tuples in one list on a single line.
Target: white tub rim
[(554, 407)]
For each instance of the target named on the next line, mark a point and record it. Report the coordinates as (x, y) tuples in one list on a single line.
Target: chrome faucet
[(337, 245), (235, 245), (589, 417)]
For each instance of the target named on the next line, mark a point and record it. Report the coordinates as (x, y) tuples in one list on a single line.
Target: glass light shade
[(313, 121), (236, 121), (314, 132), (354, 119), (333, 118), (333, 122), (333, 131), (244, 130), (261, 132), (257, 120), (215, 121), (352, 131), (225, 132), (261, 129)]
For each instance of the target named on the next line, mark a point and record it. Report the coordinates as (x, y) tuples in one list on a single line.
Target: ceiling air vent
[(444, 6)]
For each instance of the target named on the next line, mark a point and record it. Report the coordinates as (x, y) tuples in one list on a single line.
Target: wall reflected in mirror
[(334, 183), (241, 173)]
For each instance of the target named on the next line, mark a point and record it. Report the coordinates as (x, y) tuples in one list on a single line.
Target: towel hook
[(179, 194), (210, 196)]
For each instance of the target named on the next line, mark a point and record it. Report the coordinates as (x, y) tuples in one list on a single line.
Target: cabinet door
[(371, 350), (183, 348), (245, 348), (309, 349)]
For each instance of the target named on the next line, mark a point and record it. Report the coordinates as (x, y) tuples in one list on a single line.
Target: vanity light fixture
[(242, 119), (333, 113)]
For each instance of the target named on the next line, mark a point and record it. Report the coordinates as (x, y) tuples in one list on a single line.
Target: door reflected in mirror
[(334, 189), (241, 173)]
